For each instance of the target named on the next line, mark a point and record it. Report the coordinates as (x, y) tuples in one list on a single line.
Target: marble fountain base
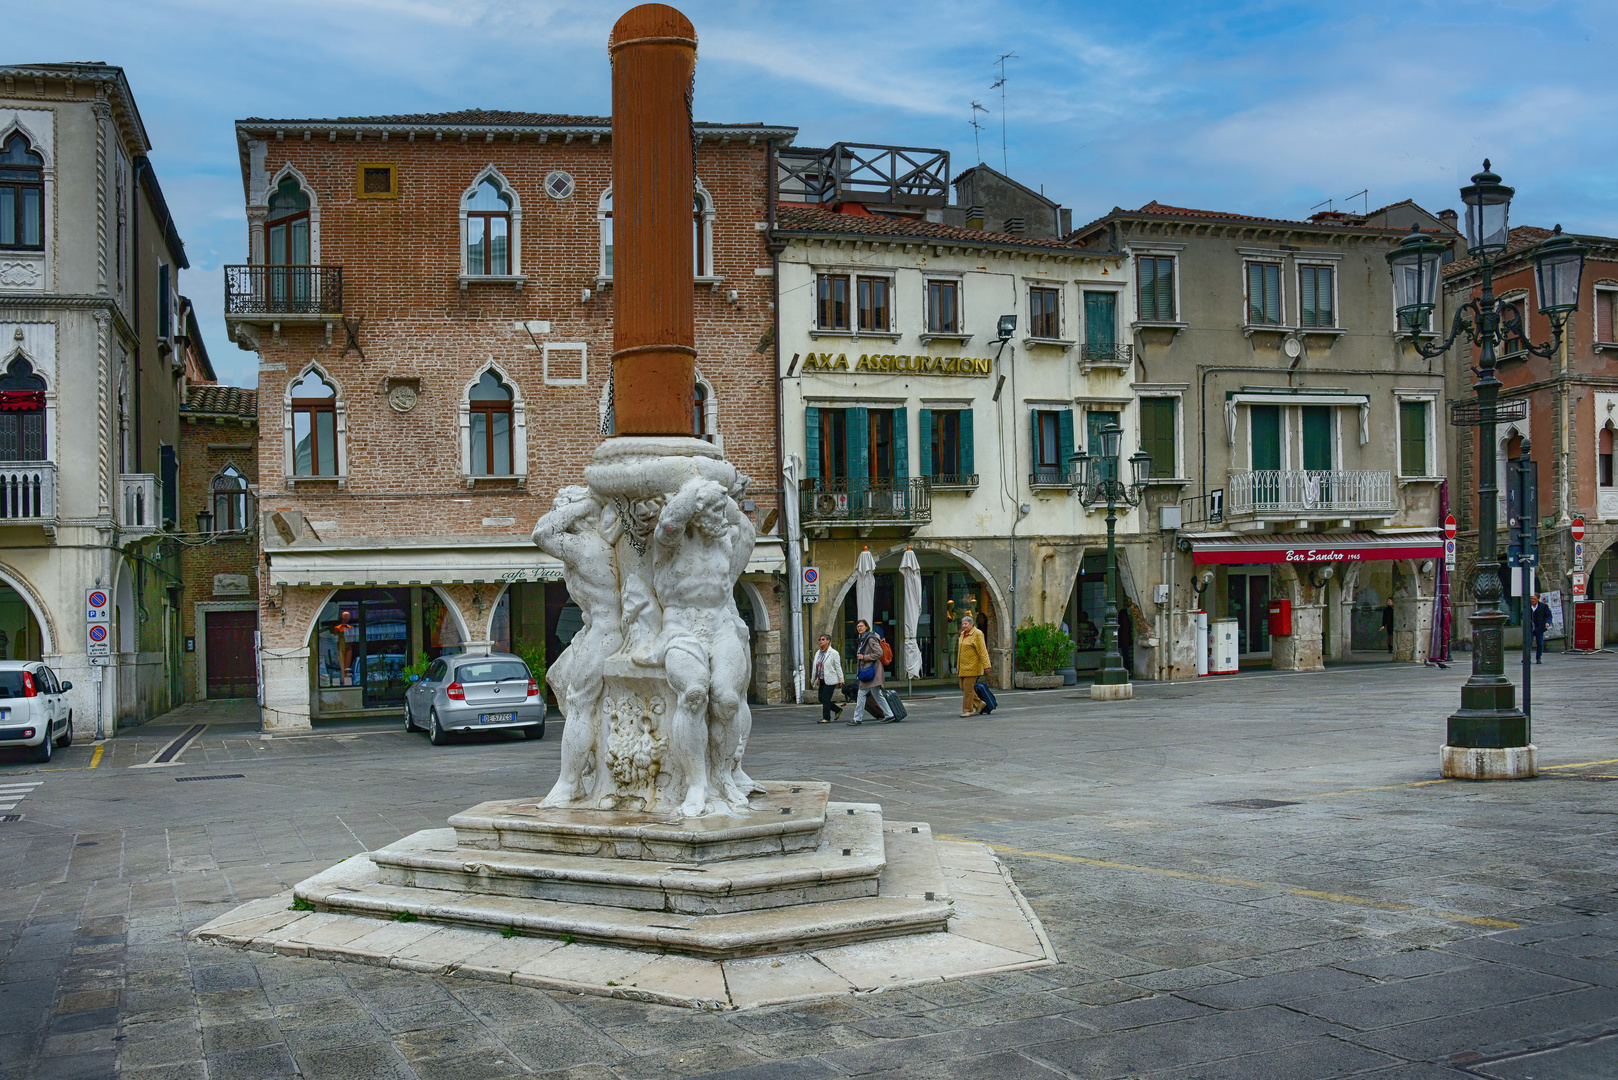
[(799, 897)]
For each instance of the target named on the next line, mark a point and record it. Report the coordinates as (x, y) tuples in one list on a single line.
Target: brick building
[(431, 300), (219, 562), (1570, 428)]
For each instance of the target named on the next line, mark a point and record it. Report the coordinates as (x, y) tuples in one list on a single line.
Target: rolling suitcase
[(987, 697), (896, 703)]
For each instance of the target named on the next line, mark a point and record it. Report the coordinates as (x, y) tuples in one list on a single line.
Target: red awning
[(1317, 548), (21, 400)]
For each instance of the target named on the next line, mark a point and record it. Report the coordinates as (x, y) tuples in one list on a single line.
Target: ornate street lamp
[(1095, 479), (1488, 737)]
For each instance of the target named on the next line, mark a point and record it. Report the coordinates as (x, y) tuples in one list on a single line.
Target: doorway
[(229, 643), (363, 641), (1249, 605)]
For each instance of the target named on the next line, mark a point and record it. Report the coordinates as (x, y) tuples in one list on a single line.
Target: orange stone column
[(654, 58)]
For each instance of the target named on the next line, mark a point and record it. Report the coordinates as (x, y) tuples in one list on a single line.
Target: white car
[(34, 711)]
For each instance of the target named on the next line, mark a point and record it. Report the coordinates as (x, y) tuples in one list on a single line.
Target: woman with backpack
[(869, 652)]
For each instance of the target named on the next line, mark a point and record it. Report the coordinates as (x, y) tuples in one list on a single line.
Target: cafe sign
[(901, 364)]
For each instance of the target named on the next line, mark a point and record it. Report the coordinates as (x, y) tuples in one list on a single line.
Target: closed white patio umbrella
[(910, 570)]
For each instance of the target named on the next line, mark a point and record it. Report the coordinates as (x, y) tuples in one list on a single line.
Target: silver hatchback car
[(475, 693), (34, 711)]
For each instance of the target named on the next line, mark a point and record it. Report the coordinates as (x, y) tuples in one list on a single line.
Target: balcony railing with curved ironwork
[(897, 500), (283, 290), (1311, 491), (1107, 352)]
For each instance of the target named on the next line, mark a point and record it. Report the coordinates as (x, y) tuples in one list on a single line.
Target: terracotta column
[(654, 57)]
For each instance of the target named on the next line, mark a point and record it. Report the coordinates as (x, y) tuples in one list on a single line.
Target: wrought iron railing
[(1203, 510), (1107, 352), (283, 290), (1324, 491), (27, 491), (898, 500), (953, 480), (1051, 476)]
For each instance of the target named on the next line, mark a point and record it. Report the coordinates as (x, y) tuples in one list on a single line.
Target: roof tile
[(210, 400)]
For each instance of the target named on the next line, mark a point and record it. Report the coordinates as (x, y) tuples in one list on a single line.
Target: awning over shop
[(1316, 548), (340, 567)]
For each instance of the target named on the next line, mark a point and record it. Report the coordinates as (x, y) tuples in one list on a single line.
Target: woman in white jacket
[(827, 677)]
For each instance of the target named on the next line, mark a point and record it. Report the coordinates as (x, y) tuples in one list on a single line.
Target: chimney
[(1449, 219)]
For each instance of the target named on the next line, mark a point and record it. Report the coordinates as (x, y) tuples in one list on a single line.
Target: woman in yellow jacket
[(972, 665)]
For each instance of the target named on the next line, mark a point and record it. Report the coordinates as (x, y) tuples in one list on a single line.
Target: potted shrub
[(1042, 648)]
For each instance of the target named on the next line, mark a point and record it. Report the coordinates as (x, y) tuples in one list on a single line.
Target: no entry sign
[(1578, 528), (1449, 527)]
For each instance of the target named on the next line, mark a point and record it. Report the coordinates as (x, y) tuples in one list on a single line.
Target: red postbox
[(1280, 618)]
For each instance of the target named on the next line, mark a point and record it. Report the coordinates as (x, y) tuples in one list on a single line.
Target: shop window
[(831, 301), (947, 450), (489, 404), (1263, 294), (488, 229), (361, 649), (875, 304), (944, 307), (22, 413), (1044, 313), (1154, 278), (22, 196), (314, 426)]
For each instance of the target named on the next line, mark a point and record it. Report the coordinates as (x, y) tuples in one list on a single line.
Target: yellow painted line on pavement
[(1389, 787), (95, 759), (1580, 764), (1313, 894)]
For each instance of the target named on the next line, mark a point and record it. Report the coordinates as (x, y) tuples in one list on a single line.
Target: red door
[(230, 654)]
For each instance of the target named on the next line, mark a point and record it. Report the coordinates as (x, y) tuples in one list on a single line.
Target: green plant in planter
[(1042, 648), (418, 667)]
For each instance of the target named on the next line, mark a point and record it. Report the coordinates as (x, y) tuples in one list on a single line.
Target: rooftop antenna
[(977, 127), (1327, 204), (1000, 85), (1364, 193)]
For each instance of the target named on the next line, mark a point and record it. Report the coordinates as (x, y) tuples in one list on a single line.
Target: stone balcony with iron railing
[(277, 296), (1310, 493), (905, 502), (139, 510), (27, 492)]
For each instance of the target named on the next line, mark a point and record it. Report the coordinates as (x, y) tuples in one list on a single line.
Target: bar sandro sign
[(1315, 554), (903, 364)]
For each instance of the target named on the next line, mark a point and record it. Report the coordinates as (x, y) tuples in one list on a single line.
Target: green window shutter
[(968, 465), (1033, 433), (1064, 437), (811, 443), (1307, 315), (901, 443), (1157, 434), (859, 443), (1146, 305), (1164, 287), (1413, 438), (1264, 427), (924, 419), (1101, 318), (1317, 437)]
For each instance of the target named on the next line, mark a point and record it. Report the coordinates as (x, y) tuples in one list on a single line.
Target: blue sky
[(1264, 107)]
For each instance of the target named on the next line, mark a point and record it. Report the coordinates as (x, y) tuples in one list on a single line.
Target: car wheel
[(410, 723), (436, 733), (535, 732), (67, 736), (42, 752)]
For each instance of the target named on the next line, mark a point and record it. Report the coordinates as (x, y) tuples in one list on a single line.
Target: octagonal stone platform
[(868, 904)]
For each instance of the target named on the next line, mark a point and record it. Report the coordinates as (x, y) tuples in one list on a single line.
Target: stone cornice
[(20, 79)]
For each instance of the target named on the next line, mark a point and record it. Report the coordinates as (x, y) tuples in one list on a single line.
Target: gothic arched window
[(22, 413), (22, 196), (489, 403)]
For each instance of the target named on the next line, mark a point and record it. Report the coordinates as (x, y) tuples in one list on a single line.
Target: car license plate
[(496, 717)]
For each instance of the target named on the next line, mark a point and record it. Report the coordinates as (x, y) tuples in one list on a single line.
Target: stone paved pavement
[(1376, 922)]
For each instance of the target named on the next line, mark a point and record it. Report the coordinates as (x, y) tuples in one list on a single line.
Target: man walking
[(869, 653), (828, 677), (1541, 625)]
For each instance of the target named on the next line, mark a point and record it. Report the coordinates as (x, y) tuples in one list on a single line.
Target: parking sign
[(811, 584), (97, 606)]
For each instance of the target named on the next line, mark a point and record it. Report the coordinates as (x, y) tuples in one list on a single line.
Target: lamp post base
[(1488, 762), (1112, 691)]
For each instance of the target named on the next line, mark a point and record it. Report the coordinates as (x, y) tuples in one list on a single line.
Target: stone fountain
[(655, 867)]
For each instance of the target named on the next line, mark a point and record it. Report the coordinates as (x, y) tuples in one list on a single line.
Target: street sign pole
[(98, 643)]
